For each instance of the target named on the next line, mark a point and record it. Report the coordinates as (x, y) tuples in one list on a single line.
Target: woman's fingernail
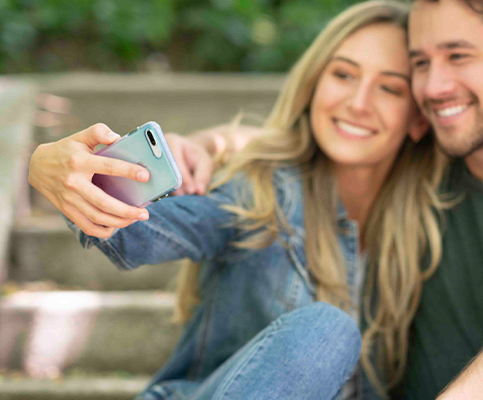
[(143, 217), (113, 136), (143, 176)]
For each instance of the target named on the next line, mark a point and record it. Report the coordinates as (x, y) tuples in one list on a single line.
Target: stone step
[(16, 112), (47, 333), (44, 249), (178, 102), (85, 388)]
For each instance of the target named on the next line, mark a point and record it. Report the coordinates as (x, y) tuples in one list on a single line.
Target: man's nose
[(439, 83)]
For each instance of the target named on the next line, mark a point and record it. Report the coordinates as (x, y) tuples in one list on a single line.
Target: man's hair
[(475, 5)]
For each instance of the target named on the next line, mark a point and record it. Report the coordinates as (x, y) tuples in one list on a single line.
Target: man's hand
[(468, 385), (62, 171), (194, 162), (195, 154)]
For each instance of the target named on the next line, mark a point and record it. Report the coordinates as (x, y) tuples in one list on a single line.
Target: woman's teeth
[(353, 130)]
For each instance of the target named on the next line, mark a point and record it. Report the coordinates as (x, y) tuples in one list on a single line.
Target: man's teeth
[(353, 130), (450, 111)]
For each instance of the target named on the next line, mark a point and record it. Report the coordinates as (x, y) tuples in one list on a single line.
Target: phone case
[(135, 148)]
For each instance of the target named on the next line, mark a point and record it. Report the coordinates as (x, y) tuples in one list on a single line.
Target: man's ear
[(419, 127)]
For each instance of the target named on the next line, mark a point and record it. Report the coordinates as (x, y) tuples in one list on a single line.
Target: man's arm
[(217, 142), (468, 385)]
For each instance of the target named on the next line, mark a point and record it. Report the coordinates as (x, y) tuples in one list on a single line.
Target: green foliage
[(195, 35)]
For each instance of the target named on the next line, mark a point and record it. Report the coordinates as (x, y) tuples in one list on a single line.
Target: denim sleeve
[(194, 227)]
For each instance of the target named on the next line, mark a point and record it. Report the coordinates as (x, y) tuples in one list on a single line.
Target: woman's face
[(362, 106)]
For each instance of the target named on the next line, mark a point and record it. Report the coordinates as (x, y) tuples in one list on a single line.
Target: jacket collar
[(341, 211)]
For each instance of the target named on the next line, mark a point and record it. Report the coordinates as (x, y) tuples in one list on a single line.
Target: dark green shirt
[(449, 324)]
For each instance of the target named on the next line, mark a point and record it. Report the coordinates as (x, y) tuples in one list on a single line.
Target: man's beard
[(462, 144), (471, 141)]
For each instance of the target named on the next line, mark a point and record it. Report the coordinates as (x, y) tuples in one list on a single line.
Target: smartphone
[(147, 147)]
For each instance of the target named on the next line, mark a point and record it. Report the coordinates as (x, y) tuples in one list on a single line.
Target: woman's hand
[(62, 171)]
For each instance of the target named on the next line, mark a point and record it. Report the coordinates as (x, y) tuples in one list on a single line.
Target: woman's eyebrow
[(387, 73), (398, 75), (348, 60)]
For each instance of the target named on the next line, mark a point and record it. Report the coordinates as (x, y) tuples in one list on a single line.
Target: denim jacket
[(242, 291)]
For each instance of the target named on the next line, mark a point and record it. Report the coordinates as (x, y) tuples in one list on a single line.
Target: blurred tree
[(189, 35)]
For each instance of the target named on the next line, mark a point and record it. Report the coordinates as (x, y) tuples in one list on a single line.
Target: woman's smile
[(352, 130)]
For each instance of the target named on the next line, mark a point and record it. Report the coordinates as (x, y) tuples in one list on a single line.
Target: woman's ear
[(419, 127)]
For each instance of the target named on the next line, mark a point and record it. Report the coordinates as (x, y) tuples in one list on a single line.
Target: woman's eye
[(392, 90), (342, 75)]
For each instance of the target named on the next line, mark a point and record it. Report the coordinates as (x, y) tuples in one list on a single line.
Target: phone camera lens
[(151, 137)]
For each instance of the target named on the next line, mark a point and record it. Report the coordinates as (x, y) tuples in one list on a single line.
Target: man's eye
[(420, 63), (457, 56)]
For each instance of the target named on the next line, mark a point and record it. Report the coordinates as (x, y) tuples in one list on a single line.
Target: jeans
[(306, 354)]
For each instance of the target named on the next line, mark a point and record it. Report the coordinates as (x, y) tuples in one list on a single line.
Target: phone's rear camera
[(151, 137)]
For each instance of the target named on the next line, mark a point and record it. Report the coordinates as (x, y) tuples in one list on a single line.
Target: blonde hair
[(401, 227)]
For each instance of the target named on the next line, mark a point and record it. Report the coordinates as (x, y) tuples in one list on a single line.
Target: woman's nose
[(360, 101)]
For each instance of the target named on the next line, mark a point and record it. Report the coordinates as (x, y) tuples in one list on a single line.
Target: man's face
[(446, 51)]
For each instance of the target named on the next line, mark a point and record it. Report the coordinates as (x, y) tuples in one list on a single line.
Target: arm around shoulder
[(468, 385)]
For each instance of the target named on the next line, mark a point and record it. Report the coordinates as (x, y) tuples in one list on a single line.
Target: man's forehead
[(436, 23), (474, 5)]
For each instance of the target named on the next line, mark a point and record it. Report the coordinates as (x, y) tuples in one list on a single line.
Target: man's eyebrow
[(455, 44), (415, 53), (387, 73)]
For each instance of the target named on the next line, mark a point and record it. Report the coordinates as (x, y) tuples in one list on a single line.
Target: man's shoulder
[(460, 179)]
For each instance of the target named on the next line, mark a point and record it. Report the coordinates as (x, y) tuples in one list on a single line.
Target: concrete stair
[(85, 388), (46, 333), (92, 332), (124, 325), (44, 249)]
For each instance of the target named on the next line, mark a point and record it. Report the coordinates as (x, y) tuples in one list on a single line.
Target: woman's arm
[(62, 172), (194, 227)]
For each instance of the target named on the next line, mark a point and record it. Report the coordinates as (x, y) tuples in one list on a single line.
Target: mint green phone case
[(135, 148)]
